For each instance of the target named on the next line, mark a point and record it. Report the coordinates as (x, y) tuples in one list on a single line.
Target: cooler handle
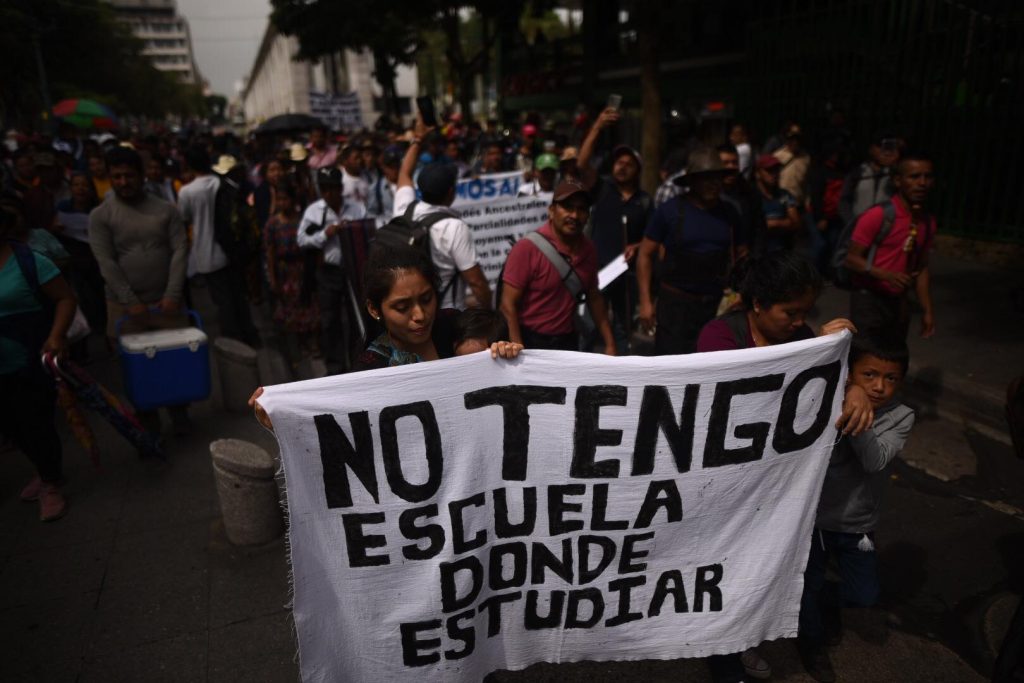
[(153, 309)]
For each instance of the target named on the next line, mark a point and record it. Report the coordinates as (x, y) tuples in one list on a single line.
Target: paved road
[(139, 582)]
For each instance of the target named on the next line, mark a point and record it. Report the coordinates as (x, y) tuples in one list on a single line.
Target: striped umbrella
[(85, 114)]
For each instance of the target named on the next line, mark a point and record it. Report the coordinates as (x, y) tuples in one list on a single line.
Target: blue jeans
[(858, 587)]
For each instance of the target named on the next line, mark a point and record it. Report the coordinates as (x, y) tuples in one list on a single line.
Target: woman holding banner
[(401, 295), (777, 289)]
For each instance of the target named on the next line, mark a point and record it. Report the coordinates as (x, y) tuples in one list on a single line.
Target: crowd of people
[(353, 243)]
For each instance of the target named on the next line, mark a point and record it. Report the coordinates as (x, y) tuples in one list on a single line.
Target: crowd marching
[(352, 242)]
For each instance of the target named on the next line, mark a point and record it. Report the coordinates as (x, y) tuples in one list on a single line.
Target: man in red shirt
[(879, 303), (536, 299)]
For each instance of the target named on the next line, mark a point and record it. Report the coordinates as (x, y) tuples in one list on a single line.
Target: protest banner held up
[(487, 188), (458, 517), (337, 111)]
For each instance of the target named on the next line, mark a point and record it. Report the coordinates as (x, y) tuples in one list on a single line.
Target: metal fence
[(947, 73)]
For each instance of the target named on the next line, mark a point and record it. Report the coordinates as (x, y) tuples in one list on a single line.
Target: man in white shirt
[(381, 203), (318, 229), (451, 240), (355, 188), (206, 258)]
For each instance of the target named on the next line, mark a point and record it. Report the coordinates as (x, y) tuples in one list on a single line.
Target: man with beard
[(546, 273)]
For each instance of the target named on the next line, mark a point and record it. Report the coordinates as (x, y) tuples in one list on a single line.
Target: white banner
[(487, 188), (497, 225), (452, 518), (337, 111)]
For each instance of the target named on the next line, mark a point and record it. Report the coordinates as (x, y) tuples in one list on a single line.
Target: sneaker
[(31, 491), (755, 665), (816, 661), (52, 505)]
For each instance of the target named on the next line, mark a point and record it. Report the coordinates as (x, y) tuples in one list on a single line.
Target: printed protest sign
[(452, 518), (487, 188), (498, 224), (337, 111)]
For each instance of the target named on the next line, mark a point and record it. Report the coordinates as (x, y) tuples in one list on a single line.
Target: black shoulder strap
[(566, 272), (27, 263)]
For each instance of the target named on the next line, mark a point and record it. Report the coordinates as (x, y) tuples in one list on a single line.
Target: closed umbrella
[(85, 114), (92, 394)]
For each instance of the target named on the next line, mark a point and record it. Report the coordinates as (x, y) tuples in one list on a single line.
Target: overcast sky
[(225, 37)]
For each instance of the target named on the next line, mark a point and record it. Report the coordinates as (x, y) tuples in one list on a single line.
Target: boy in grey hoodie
[(851, 499)]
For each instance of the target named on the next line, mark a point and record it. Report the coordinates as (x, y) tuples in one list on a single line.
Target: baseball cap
[(768, 161), (626, 149), (328, 177), (546, 161), (569, 154), (435, 180), (568, 188)]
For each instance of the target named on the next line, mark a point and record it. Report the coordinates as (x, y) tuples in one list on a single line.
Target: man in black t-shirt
[(618, 218), (699, 237)]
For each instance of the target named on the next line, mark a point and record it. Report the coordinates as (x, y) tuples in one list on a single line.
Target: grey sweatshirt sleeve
[(101, 241), (878, 446), (179, 257)]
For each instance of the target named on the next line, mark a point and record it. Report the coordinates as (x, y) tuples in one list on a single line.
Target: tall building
[(280, 84), (165, 35)]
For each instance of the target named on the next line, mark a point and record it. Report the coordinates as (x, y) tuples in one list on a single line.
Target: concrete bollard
[(239, 372), (248, 494)]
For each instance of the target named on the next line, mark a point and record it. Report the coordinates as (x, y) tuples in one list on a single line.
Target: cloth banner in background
[(452, 518), (487, 188), (497, 225), (337, 111)]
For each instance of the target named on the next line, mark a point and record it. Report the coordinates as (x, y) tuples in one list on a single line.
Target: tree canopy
[(86, 52)]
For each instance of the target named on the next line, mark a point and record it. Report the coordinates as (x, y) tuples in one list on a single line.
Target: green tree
[(324, 27), (84, 51)]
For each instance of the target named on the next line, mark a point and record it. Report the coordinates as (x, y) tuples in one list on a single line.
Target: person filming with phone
[(618, 216)]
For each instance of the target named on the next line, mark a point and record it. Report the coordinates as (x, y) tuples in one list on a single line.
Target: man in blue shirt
[(698, 237), (618, 217)]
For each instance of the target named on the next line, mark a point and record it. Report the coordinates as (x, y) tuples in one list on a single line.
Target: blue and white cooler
[(166, 367)]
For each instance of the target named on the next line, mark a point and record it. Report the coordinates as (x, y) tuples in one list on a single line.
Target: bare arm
[(599, 313), (474, 277), (857, 261), (644, 274), (605, 119), (509, 306), (412, 155), (59, 291)]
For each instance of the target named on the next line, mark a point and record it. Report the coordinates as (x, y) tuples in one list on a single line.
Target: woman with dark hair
[(778, 289), (293, 313), (36, 308), (71, 226), (400, 286)]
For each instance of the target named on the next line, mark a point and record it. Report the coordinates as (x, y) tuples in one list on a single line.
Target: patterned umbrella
[(94, 395), (85, 114)]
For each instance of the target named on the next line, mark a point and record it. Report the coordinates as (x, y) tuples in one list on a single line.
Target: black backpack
[(235, 226), (842, 277), (403, 232)]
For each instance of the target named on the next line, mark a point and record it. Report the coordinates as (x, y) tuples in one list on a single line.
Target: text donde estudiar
[(596, 560)]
